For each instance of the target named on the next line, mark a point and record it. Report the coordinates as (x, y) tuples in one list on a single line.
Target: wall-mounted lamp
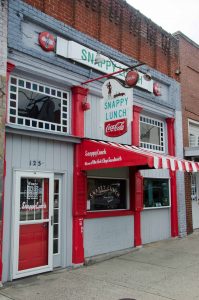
[(147, 76), (98, 58), (178, 72), (85, 105)]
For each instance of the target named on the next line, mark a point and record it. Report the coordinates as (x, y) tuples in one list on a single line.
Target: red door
[(34, 223)]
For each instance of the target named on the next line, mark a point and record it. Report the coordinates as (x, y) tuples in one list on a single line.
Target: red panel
[(174, 205), (79, 186), (136, 125), (46, 198), (138, 192), (105, 214), (138, 206), (33, 246), (171, 136), (78, 240), (78, 98)]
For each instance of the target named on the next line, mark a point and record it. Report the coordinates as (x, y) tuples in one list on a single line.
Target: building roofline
[(182, 35)]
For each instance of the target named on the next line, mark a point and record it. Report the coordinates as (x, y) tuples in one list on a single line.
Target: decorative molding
[(135, 23), (151, 33), (115, 12), (166, 43), (93, 4)]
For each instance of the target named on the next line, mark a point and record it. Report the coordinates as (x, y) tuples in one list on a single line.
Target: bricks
[(117, 24)]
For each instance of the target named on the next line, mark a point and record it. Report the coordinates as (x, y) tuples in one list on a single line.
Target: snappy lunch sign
[(116, 108), (86, 56)]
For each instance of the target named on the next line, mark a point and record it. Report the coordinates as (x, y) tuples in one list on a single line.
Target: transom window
[(39, 106), (152, 134)]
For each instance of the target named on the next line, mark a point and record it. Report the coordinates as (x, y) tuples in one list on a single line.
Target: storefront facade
[(73, 188), (189, 55)]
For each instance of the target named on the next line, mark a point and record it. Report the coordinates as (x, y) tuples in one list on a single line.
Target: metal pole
[(111, 74)]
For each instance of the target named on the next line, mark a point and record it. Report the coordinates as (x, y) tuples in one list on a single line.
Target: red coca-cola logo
[(131, 78), (115, 128), (46, 41)]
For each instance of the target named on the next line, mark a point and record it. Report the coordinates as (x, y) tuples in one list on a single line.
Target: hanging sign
[(131, 78), (116, 108), (86, 56)]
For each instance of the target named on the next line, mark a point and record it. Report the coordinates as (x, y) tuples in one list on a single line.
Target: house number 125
[(35, 163)]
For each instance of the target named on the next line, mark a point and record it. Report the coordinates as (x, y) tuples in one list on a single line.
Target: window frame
[(108, 211), (158, 207), (152, 147), (64, 96), (59, 179), (193, 132)]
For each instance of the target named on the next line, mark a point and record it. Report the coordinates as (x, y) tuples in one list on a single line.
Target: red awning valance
[(100, 154)]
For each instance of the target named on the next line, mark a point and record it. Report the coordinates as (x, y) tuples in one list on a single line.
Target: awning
[(100, 154)]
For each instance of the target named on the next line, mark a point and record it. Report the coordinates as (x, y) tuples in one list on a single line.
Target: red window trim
[(106, 214)]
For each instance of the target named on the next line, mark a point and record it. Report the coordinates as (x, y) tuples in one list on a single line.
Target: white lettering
[(36, 206), (114, 128), (95, 153)]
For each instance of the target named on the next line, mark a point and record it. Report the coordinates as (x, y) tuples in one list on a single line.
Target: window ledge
[(158, 207), (106, 214)]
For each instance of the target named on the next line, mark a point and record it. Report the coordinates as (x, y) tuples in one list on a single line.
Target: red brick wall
[(189, 62), (118, 25)]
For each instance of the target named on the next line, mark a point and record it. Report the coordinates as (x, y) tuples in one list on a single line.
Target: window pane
[(38, 106), (150, 133), (105, 194), (156, 192), (55, 246), (34, 198)]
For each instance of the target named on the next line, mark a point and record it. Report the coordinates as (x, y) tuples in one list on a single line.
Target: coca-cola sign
[(116, 107), (115, 128)]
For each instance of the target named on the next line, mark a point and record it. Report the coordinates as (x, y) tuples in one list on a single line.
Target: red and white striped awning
[(100, 154)]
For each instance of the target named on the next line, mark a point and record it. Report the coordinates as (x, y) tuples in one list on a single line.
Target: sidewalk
[(163, 270)]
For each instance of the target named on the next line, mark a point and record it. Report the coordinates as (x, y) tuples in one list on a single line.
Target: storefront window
[(151, 134), (38, 106), (106, 194), (156, 192)]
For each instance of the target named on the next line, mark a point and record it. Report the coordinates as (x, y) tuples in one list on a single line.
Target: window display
[(156, 192), (106, 194)]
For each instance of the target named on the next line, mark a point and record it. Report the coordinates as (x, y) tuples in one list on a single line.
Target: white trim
[(59, 178), (169, 186), (162, 130), (63, 128), (16, 222)]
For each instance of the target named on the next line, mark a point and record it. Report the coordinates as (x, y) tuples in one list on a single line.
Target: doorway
[(33, 223)]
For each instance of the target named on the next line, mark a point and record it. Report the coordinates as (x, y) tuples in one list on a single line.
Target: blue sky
[(172, 15)]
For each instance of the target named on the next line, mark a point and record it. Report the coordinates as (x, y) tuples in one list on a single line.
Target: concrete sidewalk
[(163, 270)]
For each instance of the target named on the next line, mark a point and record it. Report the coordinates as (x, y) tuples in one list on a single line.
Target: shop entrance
[(33, 235)]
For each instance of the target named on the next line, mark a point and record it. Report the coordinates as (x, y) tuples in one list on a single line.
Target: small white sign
[(116, 108), (117, 101)]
